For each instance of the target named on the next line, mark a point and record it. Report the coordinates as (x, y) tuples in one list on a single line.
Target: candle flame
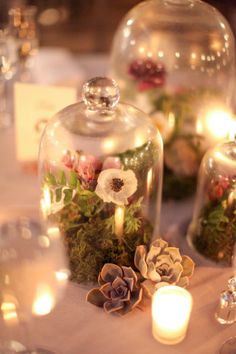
[(218, 123), (62, 275), (9, 311), (44, 301)]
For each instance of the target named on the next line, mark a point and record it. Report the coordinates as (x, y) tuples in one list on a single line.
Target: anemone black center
[(116, 184)]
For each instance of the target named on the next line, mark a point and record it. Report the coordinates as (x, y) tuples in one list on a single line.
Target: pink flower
[(69, 159), (217, 188), (111, 162), (88, 166)]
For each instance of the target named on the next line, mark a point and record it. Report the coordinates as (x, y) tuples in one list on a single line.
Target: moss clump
[(217, 235), (92, 244), (176, 187)]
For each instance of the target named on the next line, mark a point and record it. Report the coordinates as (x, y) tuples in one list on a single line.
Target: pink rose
[(217, 188), (88, 166), (69, 159)]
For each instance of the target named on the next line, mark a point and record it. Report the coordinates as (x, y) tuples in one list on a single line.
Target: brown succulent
[(118, 291)]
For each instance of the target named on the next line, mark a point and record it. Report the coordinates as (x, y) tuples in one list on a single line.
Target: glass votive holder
[(171, 309), (226, 309)]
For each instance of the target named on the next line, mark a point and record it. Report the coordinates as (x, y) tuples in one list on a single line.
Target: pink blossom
[(111, 162), (69, 159), (88, 166), (217, 188)]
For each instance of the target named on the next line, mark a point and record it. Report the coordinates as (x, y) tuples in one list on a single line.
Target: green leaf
[(90, 204), (51, 196), (58, 193), (110, 224), (132, 219), (62, 178), (50, 179), (87, 193), (73, 181), (68, 194), (79, 189)]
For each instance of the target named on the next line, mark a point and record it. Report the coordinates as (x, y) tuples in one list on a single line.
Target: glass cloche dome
[(213, 228), (100, 167), (174, 59)]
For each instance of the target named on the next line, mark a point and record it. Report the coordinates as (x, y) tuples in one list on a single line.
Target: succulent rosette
[(162, 265), (118, 291)]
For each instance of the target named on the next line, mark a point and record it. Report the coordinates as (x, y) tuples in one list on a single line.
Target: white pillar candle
[(119, 220), (171, 308)]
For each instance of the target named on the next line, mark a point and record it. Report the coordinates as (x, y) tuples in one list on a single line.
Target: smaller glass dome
[(100, 167), (212, 231)]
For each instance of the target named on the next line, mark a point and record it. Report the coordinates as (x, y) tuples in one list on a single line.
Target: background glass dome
[(101, 176), (174, 59), (213, 228)]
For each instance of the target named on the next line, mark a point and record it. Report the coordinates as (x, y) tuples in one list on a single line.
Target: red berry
[(148, 73)]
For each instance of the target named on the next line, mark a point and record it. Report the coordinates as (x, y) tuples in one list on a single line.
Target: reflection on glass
[(23, 28), (7, 69), (33, 274), (175, 58)]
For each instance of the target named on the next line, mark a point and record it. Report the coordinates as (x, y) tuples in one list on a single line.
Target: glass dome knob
[(100, 93)]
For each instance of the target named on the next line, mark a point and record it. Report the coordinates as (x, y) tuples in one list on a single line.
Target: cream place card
[(34, 106)]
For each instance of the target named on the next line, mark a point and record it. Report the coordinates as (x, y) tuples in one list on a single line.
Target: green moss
[(90, 245), (217, 234)]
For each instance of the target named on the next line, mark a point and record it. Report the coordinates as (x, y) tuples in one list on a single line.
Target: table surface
[(76, 327)]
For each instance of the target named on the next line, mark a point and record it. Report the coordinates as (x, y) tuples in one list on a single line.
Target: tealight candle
[(171, 308)]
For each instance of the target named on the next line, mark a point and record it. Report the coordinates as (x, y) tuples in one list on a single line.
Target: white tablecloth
[(75, 327)]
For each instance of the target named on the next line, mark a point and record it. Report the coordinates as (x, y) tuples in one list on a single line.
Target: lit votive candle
[(171, 308)]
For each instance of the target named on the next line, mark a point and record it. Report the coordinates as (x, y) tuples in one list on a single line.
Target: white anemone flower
[(116, 186)]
